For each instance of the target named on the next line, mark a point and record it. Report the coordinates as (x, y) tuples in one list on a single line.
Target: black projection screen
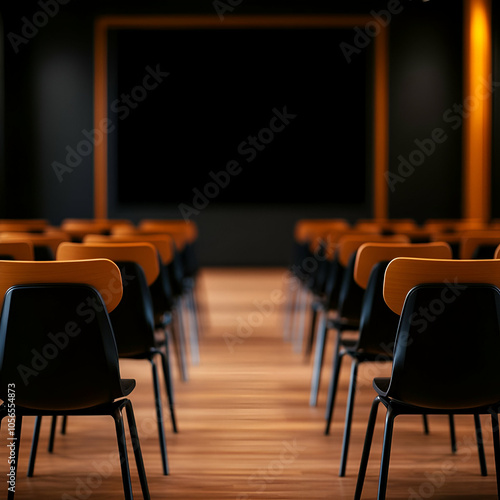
[(281, 110)]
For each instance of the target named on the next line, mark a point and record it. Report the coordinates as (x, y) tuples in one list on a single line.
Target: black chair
[(133, 319), (80, 374), (447, 365), (378, 324)]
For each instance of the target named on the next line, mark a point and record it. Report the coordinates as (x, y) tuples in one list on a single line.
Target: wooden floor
[(246, 430)]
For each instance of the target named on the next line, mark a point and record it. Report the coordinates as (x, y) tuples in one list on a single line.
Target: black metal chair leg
[(53, 426), (178, 332), (348, 418), (319, 355), (122, 448), (386, 454), (426, 424), (136, 446), (64, 424), (159, 418), (453, 438), (333, 390), (366, 448), (496, 447), (312, 330), (167, 375), (34, 446), (13, 447), (480, 445)]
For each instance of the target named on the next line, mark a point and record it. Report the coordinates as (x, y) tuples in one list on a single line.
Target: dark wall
[(49, 110), (426, 133)]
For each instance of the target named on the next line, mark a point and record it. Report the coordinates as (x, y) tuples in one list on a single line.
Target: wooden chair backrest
[(144, 254), (18, 250), (52, 239), (23, 225), (404, 273), (370, 254), (349, 244), (102, 274), (306, 230), (470, 240), (164, 243)]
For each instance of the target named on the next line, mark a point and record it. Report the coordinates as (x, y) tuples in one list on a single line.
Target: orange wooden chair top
[(50, 239), (164, 243), (144, 254), (471, 240), (17, 250), (102, 274), (369, 254), (404, 273), (349, 244)]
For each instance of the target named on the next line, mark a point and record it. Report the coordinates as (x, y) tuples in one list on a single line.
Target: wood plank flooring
[(246, 430)]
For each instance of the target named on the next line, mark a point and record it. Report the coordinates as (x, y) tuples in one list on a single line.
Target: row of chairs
[(111, 292), (346, 271)]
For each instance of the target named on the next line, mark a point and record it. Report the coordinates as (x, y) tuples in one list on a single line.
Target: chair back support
[(54, 320), (473, 241), (348, 245), (24, 225), (16, 250), (369, 254), (44, 244), (162, 242), (404, 273), (101, 274), (142, 253)]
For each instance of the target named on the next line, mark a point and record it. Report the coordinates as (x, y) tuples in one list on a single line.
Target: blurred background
[(242, 129)]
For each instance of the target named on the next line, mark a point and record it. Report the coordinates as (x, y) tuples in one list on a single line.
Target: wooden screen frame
[(381, 81)]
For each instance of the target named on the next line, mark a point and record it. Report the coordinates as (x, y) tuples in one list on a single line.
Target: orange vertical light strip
[(100, 114), (381, 125), (477, 103)]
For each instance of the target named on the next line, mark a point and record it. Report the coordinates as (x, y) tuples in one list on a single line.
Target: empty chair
[(446, 363), (133, 319), (81, 374), (378, 324)]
